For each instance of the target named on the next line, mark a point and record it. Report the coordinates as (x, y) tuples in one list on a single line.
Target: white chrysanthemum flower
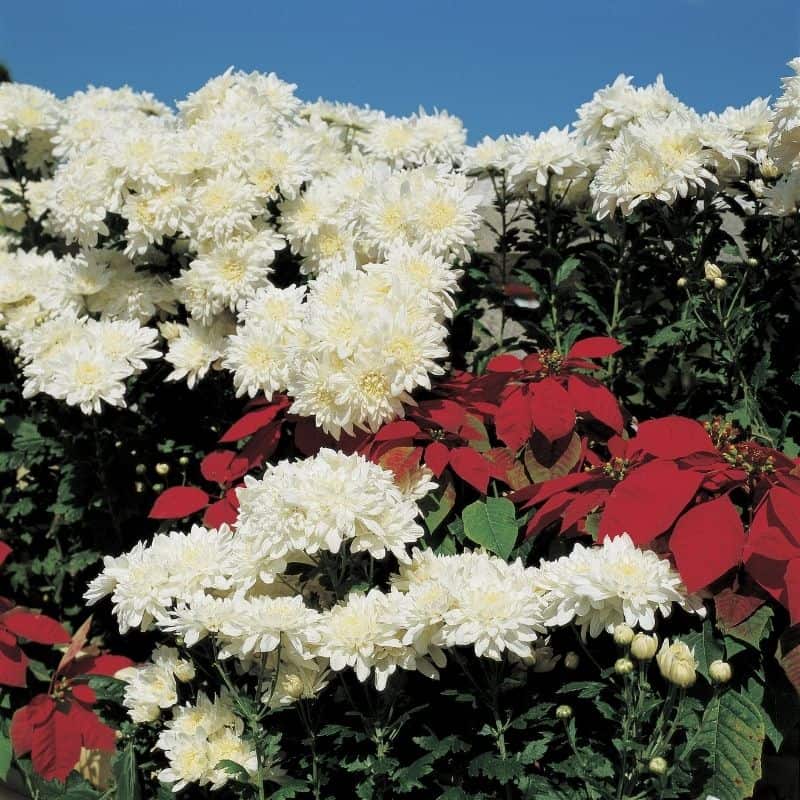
[(497, 608), (225, 205), (489, 155), (438, 137), (782, 199), (392, 139), (25, 110), (533, 160), (258, 356), (598, 588), (784, 146), (195, 349)]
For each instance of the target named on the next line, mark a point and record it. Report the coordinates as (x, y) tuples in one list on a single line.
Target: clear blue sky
[(510, 67)]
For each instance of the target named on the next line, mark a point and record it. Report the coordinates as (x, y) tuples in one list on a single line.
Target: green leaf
[(437, 506), (125, 775), (706, 647), (5, 756), (491, 524), (566, 269), (733, 733)]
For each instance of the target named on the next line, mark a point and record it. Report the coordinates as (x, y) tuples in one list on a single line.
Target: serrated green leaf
[(706, 647), (733, 733), (491, 524)]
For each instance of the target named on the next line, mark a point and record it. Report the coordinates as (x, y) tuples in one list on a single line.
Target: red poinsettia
[(16, 623), (261, 425), (674, 480), (545, 392), (442, 433), (55, 725)]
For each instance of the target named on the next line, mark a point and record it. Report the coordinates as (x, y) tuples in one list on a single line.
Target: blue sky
[(501, 66)]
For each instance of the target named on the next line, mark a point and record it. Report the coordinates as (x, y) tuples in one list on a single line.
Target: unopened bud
[(158, 487), (138, 487), (571, 660), (677, 664), (720, 671), (563, 712), (719, 283), (752, 262), (712, 271), (681, 282), (183, 460), (141, 469), (623, 635), (184, 670), (644, 646), (162, 468), (658, 765), (623, 666)]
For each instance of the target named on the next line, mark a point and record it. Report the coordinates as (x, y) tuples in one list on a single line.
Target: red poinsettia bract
[(55, 725)]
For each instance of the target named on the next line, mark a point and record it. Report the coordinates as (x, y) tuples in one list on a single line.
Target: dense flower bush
[(393, 466)]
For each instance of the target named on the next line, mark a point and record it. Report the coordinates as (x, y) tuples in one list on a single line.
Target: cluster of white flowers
[(200, 736), (599, 588), (631, 144), (174, 219)]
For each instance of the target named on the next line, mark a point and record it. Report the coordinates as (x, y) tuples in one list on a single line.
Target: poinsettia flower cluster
[(57, 724), (684, 488)]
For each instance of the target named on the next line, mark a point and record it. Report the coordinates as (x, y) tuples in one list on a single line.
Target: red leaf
[(513, 419), (548, 513), (309, 439), (214, 467), (504, 363), (579, 508), (84, 693), (13, 665), (734, 608), (94, 734), (444, 414), (792, 581), (506, 467), (35, 627), (648, 501), (401, 461), (592, 398), (220, 513), (768, 537), (707, 542), (106, 664), (256, 451), (37, 712), (472, 467), (253, 421), (473, 430), (594, 347), (400, 429), (55, 747), (551, 410), (178, 501), (437, 457), (786, 506), (5, 551), (672, 437)]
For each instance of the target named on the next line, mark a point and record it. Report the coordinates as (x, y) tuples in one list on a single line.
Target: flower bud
[(623, 635), (677, 664), (720, 671), (138, 487), (183, 460), (141, 469), (658, 765), (644, 646), (752, 262), (719, 283), (712, 271), (623, 666), (571, 660), (158, 487), (563, 712), (162, 468), (681, 282)]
